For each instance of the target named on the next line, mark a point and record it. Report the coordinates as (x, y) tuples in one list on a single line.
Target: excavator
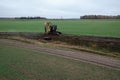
[(50, 29)]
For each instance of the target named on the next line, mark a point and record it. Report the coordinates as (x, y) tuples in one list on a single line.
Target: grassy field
[(105, 28), (25, 64)]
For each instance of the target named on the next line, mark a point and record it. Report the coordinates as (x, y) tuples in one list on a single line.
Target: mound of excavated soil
[(111, 44)]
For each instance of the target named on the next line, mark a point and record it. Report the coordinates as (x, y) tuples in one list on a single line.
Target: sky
[(58, 8)]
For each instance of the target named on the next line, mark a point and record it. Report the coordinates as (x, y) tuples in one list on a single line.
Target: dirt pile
[(111, 44)]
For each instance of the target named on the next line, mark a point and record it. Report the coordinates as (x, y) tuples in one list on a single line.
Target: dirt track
[(77, 55)]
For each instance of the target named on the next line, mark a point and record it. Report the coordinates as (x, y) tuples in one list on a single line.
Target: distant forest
[(99, 17), (81, 17), (30, 18), (23, 18)]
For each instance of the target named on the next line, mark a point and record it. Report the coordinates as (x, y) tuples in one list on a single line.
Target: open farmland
[(104, 28)]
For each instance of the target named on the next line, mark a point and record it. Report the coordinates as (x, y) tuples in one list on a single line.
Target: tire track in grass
[(76, 55)]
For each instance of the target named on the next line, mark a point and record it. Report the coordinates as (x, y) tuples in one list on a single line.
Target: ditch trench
[(75, 40)]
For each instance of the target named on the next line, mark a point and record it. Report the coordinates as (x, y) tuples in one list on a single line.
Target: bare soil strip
[(77, 55)]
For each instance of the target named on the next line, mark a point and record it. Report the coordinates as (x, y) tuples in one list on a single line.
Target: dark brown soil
[(105, 43)]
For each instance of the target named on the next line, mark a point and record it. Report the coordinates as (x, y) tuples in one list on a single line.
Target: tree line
[(99, 17), (30, 18)]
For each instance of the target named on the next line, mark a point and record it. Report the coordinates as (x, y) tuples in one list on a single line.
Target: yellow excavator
[(50, 29)]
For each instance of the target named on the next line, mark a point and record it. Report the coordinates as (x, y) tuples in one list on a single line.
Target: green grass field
[(25, 64), (105, 28)]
